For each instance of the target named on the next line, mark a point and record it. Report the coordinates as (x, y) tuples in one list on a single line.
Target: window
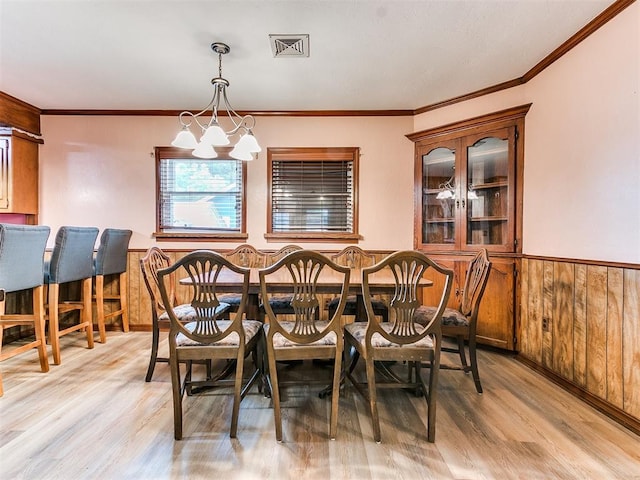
[(199, 197), (312, 193)]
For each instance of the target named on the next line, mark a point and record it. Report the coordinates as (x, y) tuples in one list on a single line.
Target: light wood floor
[(95, 417)]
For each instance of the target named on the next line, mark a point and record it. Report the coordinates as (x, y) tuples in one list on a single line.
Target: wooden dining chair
[(208, 336), (110, 264), (22, 268), (243, 256), (354, 257), (461, 322), (305, 337), (153, 261), (71, 261), (401, 338)]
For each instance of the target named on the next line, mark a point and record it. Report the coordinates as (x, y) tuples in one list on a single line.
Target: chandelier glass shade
[(211, 133), (448, 191)]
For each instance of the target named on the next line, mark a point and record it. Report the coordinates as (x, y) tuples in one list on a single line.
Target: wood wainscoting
[(139, 304), (580, 326)]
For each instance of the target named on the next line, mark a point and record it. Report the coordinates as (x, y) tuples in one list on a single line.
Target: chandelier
[(211, 133)]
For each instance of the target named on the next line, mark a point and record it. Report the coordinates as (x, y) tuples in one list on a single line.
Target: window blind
[(312, 196)]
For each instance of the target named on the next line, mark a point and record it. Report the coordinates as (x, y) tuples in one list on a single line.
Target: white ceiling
[(364, 55)]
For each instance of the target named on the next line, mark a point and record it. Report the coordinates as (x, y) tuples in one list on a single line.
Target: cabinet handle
[(457, 203), (463, 203)]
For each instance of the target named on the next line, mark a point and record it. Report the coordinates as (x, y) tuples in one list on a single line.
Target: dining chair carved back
[(401, 338), (461, 323), (281, 303), (208, 334), (354, 257), (22, 268), (246, 256), (304, 337)]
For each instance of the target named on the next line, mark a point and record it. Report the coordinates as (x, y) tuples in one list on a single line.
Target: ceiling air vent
[(289, 45)]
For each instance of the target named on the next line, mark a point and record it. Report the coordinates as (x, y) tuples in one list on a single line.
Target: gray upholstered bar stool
[(71, 261), (111, 261), (21, 268)]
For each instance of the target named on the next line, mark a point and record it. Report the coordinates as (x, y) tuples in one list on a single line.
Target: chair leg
[(237, 394), (177, 397), (100, 307), (461, 352), (335, 395), (275, 396), (431, 397), (54, 327), (373, 400), (85, 313), (474, 364), (155, 339), (38, 313), (124, 304)]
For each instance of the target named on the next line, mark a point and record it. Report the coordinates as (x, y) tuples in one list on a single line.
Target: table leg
[(252, 308)]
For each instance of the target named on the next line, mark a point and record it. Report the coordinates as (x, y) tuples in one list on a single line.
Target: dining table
[(329, 281)]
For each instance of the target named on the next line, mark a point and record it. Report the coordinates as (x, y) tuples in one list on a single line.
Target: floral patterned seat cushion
[(359, 329), (450, 317), (279, 341), (232, 299), (350, 305), (186, 313), (280, 303), (251, 329)]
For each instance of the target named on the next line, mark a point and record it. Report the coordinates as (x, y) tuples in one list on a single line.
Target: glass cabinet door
[(439, 196), (465, 178), (488, 190)]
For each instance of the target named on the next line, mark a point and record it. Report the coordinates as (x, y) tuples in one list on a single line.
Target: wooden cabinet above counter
[(18, 172)]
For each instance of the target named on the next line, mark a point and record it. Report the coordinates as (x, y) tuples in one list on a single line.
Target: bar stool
[(71, 261), (21, 268), (111, 260)]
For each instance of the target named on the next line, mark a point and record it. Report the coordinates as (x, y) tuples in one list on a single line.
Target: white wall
[(582, 149), (582, 159), (101, 171), (582, 146)]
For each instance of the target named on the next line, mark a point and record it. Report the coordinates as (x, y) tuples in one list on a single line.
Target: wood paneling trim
[(468, 96), (583, 33), (601, 263), (609, 13), (272, 113), (497, 120), (18, 114)]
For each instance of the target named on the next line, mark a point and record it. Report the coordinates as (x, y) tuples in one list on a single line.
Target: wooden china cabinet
[(468, 195)]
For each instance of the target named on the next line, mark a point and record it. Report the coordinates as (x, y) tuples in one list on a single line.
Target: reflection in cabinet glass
[(438, 196), (488, 191)]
